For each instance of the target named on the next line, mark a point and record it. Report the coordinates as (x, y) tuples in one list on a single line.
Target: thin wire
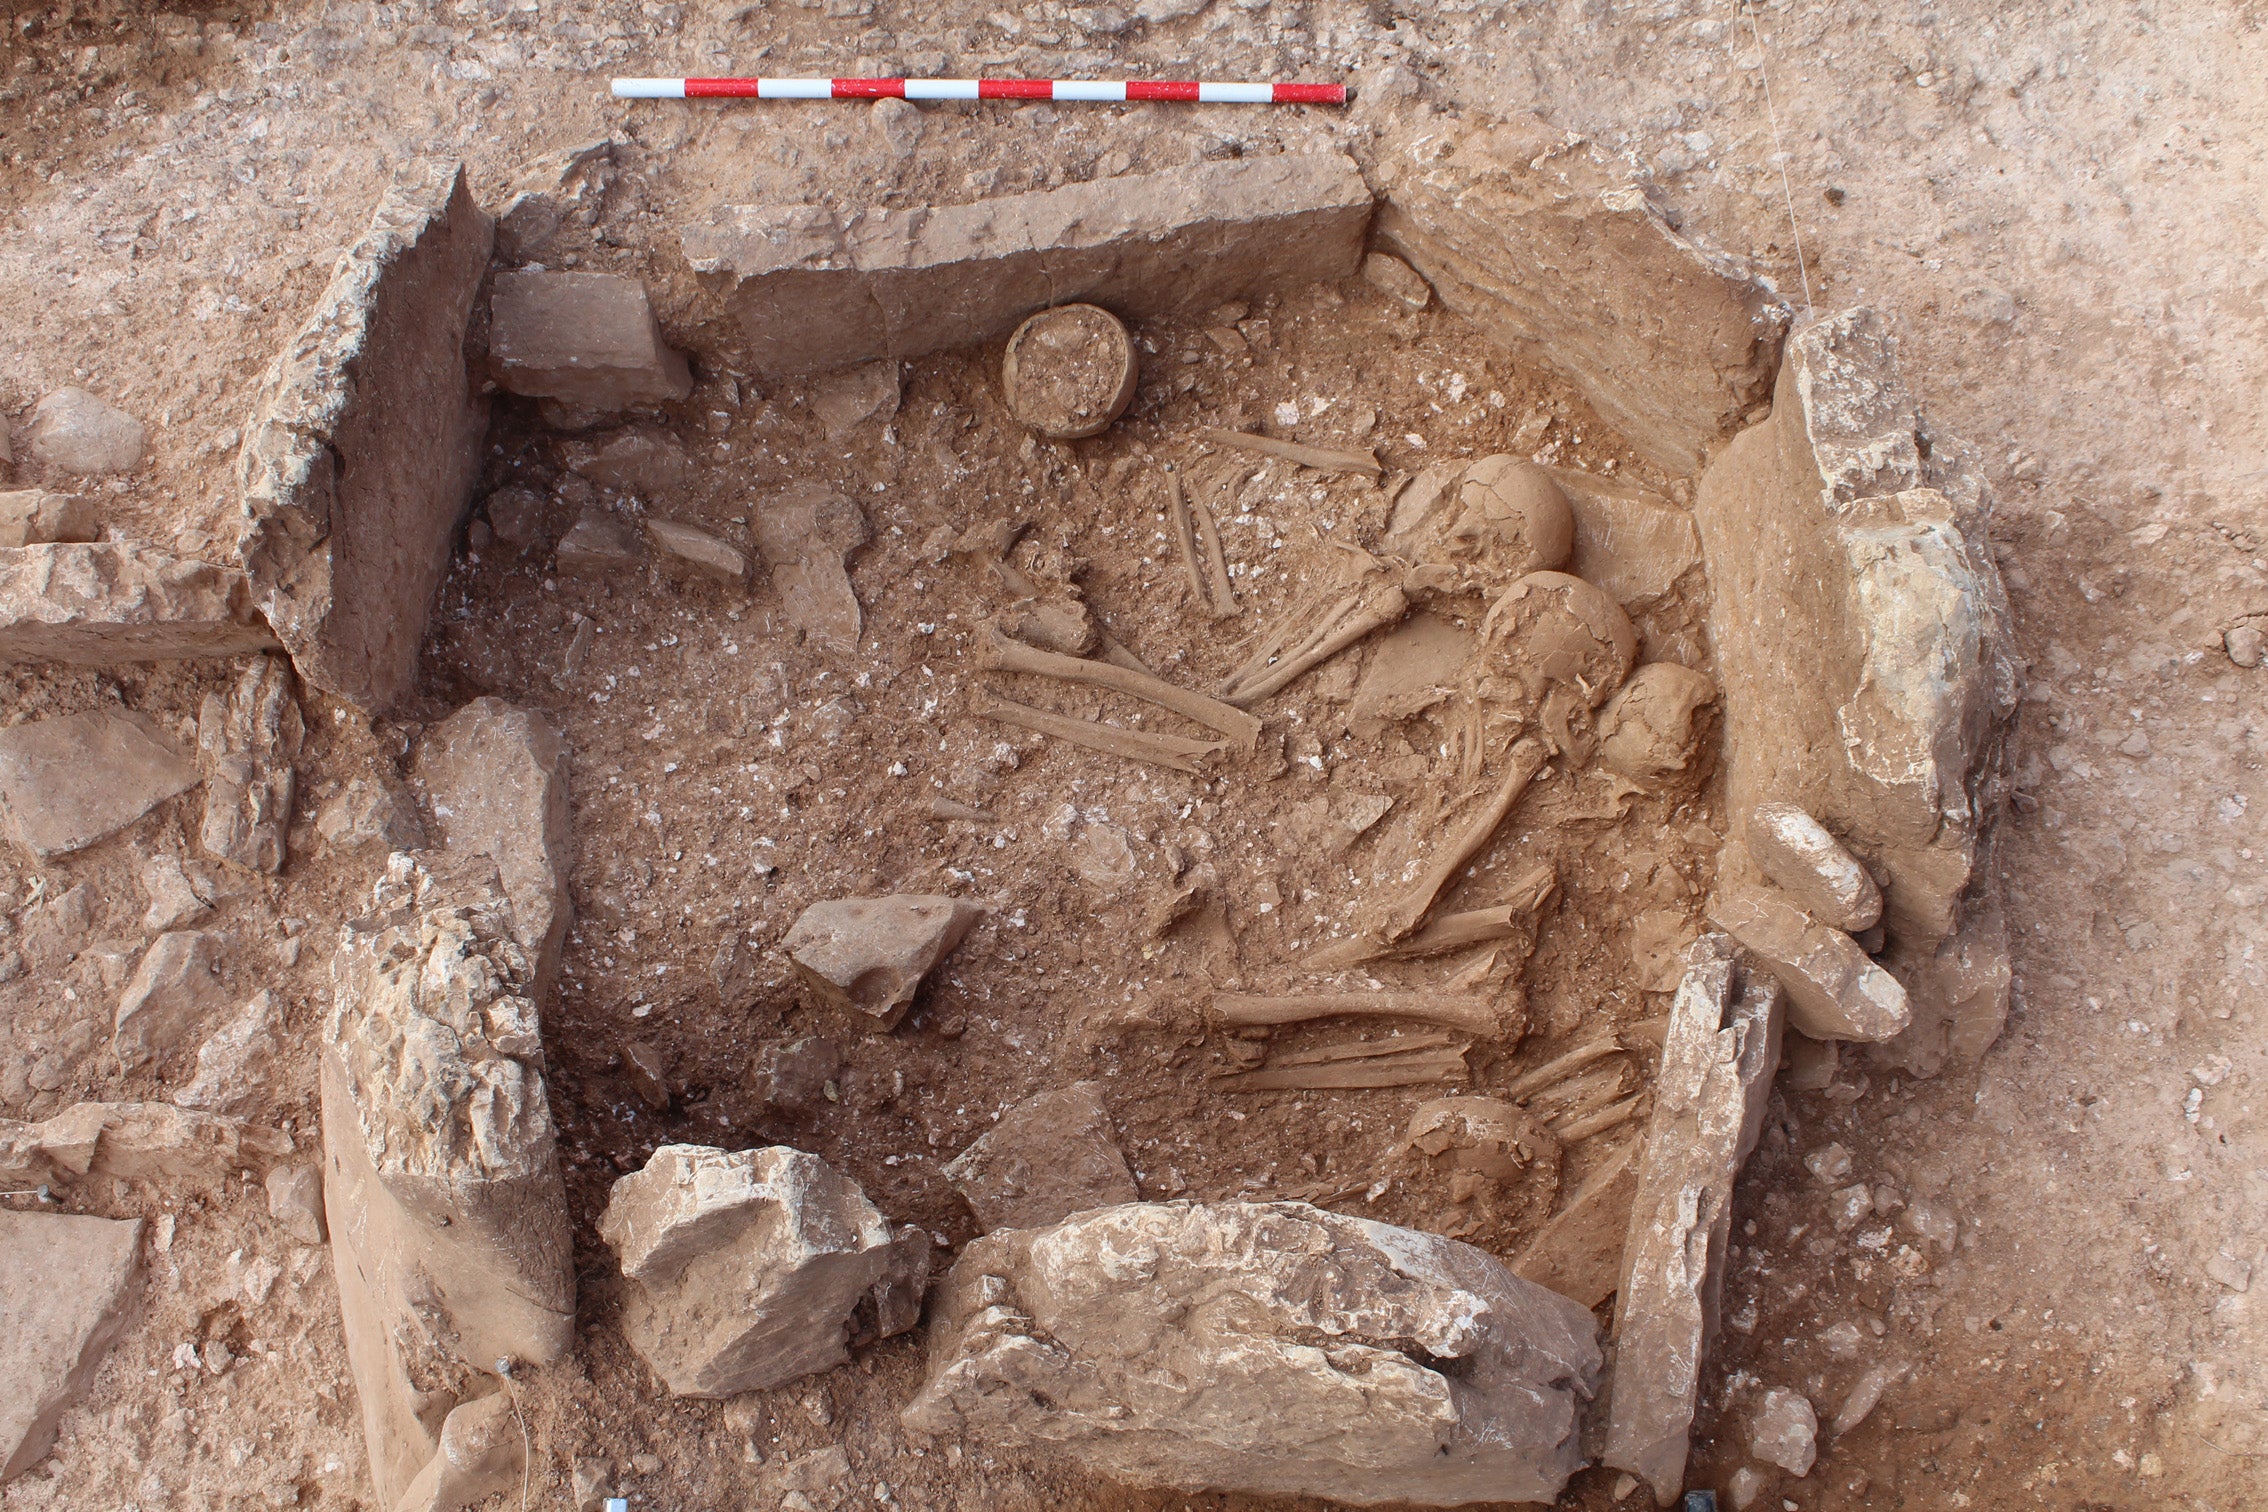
[(1779, 153)]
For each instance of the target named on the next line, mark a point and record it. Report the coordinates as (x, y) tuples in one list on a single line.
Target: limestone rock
[(1266, 1348), (1048, 1157), (1635, 545), (1870, 676), (57, 929), (365, 443), (34, 517), (1796, 852), (1579, 1253), (113, 603), (1834, 991), (586, 339), (367, 811), (247, 741), (447, 1215), (515, 515), (1397, 280), (598, 543), (638, 463), (555, 191), (1710, 1091), (151, 1142), (482, 1450), (64, 1289), (1552, 248), (843, 401), (868, 955), (77, 432), (1785, 1431), (807, 534), (1658, 728), (691, 546), (746, 1268), (66, 783), (815, 290), (495, 776), (295, 1200), (176, 985), (234, 1066), (175, 900)]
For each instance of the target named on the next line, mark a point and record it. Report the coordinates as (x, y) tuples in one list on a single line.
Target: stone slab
[(111, 603), (63, 1290), (66, 783), (586, 339)]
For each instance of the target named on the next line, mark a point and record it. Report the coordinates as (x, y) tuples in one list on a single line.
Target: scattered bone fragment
[(598, 544), (442, 1191), (1835, 992), (482, 1451), (35, 517), (295, 1200), (1397, 280), (1579, 1252), (1657, 729), (1513, 919), (1178, 752), (152, 1142), (746, 1268), (1494, 1155), (587, 339), (66, 783), (176, 985), (869, 955), (1380, 1063), (1577, 1128), (1048, 1157), (806, 535), (1475, 1015), (1402, 918), (1567, 631), (118, 602), (1796, 852), (1001, 654), (846, 400), (698, 549), (77, 432), (1710, 1092), (1339, 1358), (1319, 458), (1785, 1431), (64, 1289), (1069, 371), (949, 809), (247, 741), (235, 1065)]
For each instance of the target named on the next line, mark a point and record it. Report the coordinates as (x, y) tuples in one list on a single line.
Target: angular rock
[(559, 189), (1396, 279), (1785, 1431), (442, 1192), (234, 1066), (57, 930), (175, 901), (516, 515), (113, 603), (1266, 1348), (587, 339), (638, 463), (1710, 1091), (1834, 991), (369, 812), (1579, 1253), (247, 741), (77, 432), (482, 1451), (177, 984), (693, 547), (598, 543), (66, 783), (807, 534), (1048, 1157), (365, 443), (1635, 545), (1659, 727), (64, 1289), (496, 779), (868, 955), (1552, 248), (815, 290), (34, 517), (746, 1268), (845, 400), (1795, 851), (295, 1200), (794, 1077), (136, 1142), (1864, 641)]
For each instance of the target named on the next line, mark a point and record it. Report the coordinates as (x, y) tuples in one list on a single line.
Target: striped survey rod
[(1092, 90)]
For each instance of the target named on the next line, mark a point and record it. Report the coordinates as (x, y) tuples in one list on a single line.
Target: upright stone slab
[(588, 339), (1718, 1056), (815, 289), (1552, 247), (1870, 674), (448, 1218), (63, 1291), (364, 447), (107, 603)]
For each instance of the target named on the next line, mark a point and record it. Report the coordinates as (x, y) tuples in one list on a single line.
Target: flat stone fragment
[(235, 1065), (559, 189), (112, 603), (746, 1268), (64, 1285), (807, 534), (66, 783), (136, 1142), (587, 339), (1552, 248), (1633, 544), (364, 446), (495, 776), (1710, 1092), (1048, 1157), (1579, 1253), (598, 543), (81, 433), (295, 1200), (696, 548), (1785, 1431), (1266, 1348), (34, 517), (1796, 852), (441, 1186), (1835, 991), (1396, 279), (869, 955), (247, 740), (176, 985), (175, 901), (815, 289)]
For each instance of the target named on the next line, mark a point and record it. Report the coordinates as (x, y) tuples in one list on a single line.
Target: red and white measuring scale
[(980, 89)]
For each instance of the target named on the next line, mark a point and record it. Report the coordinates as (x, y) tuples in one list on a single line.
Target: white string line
[(1779, 152)]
